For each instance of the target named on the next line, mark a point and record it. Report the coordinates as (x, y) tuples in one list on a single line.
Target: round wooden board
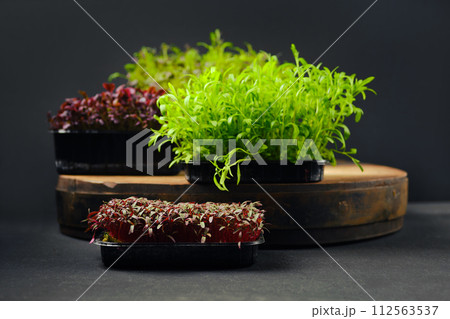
[(347, 205)]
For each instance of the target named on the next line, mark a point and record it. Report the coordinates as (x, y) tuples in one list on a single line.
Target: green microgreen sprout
[(171, 64), (270, 100)]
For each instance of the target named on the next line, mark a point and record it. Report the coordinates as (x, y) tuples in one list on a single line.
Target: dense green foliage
[(171, 64), (265, 101)]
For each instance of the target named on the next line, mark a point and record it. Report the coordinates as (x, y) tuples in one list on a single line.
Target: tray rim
[(101, 243)]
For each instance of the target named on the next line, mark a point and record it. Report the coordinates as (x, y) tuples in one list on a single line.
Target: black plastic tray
[(273, 172), (179, 255), (101, 153)]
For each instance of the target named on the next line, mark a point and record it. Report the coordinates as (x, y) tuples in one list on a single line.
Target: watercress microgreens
[(171, 64), (311, 102)]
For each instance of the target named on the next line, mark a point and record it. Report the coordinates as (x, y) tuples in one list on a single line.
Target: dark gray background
[(51, 49)]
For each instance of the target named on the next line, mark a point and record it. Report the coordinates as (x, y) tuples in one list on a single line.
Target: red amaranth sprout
[(125, 220), (122, 109)]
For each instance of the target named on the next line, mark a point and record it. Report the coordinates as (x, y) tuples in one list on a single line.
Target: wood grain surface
[(347, 205)]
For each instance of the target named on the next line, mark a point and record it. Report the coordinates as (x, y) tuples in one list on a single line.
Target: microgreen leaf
[(265, 100), (170, 64), (122, 109), (182, 222)]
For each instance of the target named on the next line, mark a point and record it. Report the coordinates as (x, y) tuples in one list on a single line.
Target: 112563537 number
[(380, 310)]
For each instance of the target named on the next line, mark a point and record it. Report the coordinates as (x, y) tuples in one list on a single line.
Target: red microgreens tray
[(122, 109), (125, 220)]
